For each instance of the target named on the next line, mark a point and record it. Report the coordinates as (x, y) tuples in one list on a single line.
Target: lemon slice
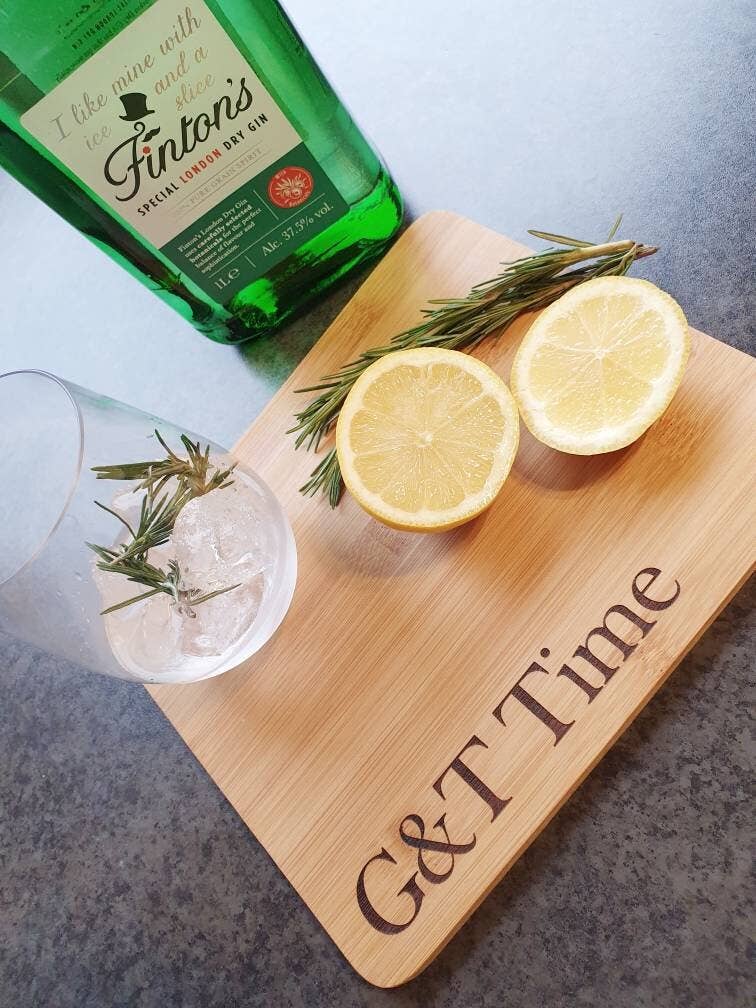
[(600, 365), (426, 438)]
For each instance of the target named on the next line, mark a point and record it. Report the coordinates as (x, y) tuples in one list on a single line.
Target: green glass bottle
[(199, 145)]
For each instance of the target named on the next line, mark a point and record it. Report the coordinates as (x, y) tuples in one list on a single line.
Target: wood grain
[(399, 648)]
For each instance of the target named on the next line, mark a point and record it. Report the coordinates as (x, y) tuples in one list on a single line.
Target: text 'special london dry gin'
[(199, 145)]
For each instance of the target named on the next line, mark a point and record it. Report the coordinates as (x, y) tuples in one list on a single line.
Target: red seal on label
[(290, 187)]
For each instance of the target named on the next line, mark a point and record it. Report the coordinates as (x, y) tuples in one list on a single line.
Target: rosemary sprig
[(525, 285), (193, 470), (157, 518), (169, 583)]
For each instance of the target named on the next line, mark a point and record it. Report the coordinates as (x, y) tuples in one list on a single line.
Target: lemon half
[(426, 438), (600, 365)]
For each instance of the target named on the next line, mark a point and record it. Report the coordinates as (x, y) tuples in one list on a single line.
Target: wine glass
[(184, 567)]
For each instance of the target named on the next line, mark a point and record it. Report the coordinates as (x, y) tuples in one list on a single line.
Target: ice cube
[(146, 634), (128, 504), (221, 621), (223, 538), (156, 626)]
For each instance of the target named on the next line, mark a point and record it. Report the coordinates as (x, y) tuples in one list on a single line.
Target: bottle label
[(170, 126)]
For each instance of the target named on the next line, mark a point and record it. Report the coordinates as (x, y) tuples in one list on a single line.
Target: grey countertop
[(125, 877)]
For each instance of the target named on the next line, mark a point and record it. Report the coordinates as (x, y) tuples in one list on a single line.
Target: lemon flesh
[(600, 365), (426, 438)]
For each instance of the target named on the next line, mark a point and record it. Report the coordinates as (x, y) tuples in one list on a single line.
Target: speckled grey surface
[(125, 878)]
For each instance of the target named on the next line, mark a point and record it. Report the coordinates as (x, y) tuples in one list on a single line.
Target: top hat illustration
[(135, 106)]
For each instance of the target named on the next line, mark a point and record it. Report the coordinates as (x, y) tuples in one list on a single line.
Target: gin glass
[(215, 566)]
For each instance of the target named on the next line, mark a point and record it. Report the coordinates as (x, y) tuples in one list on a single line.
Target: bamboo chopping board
[(431, 701)]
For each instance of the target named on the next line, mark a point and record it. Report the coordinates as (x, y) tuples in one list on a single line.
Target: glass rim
[(66, 389)]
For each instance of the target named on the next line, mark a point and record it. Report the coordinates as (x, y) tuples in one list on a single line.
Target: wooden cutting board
[(431, 701)]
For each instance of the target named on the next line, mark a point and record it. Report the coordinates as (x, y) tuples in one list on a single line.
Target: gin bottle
[(199, 145)]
